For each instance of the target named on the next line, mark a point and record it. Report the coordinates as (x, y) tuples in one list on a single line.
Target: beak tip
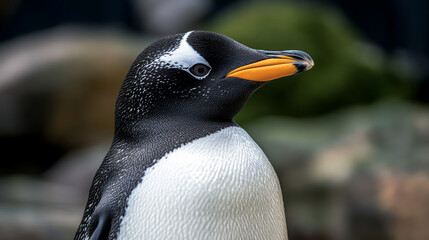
[(310, 64), (304, 61), (309, 61), (304, 65)]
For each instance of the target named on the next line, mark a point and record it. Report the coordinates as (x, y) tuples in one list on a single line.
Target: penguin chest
[(217, 187)]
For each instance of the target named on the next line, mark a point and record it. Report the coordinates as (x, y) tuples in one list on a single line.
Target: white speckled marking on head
[(220, 186), (183, 57)]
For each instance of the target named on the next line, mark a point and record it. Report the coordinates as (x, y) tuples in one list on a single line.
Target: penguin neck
[(173, 127)]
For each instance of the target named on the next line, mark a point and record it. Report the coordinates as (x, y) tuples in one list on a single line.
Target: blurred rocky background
[(349, 139)]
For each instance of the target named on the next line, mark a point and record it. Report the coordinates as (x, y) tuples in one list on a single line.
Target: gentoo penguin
[(179, 167)]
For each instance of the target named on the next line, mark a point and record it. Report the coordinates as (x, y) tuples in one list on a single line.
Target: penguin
[(179, 167)]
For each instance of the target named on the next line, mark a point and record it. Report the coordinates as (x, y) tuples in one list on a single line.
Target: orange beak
[(278, 64)]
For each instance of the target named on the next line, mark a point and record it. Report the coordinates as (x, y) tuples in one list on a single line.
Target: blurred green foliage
[(347, 70)]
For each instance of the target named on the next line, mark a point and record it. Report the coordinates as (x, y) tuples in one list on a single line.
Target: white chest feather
[(217, 187)]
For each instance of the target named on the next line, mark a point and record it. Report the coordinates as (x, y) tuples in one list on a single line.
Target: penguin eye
[(200, 70)]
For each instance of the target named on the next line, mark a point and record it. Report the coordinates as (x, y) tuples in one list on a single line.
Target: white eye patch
[(183, 57)]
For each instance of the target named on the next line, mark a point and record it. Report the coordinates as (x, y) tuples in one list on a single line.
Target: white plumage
[(221, 186)]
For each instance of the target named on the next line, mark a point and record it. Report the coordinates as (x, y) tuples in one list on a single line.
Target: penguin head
[(202, 75)]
